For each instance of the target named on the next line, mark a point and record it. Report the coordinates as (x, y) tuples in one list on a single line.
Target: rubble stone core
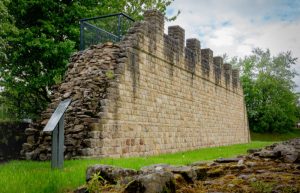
[(146, 95)]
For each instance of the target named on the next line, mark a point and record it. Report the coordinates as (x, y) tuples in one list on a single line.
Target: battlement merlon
[(236, 78), (217, 70), (218, 61), (178, 34), (206, 62), (156, 19), (195, 45)]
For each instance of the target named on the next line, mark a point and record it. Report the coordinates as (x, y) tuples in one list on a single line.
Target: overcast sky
[(235, 27)]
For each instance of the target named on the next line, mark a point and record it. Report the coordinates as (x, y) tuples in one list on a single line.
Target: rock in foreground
[(275, 168)]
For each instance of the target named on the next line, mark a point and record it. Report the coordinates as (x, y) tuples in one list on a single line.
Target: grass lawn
[(37, 177), (276, 136)]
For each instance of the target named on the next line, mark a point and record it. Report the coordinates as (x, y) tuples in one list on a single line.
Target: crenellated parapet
[(186, 54)]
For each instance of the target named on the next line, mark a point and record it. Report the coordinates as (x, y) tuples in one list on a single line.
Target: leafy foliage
[(6, 27), (268, 86), (37, 38)]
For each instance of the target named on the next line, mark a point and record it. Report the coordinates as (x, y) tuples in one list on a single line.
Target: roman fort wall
[(149, 94)]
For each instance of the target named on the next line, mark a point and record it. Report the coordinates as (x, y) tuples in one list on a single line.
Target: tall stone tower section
[(149, 94)]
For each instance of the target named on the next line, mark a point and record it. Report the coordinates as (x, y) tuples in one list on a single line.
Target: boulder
[(268, 154), (187, 172), (287, 152), (111, 174), (157, 182)]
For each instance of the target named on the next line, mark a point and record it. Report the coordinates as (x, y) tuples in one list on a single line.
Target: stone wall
[(12, 137), (145, 95)]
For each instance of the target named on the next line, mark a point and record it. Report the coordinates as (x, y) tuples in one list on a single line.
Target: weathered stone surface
[(200, 163), (27, 146), (187, 172), (253, 150), (158, 182), (268, 154), (43, 157), (155, 168), (201, 171), (110, 173), (227, 160), (86, 82), (29, 155), (77, 128), (215, 172), (31, 131), (287, 152)]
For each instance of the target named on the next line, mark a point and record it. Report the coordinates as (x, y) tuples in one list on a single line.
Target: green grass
[(275, 136), (37, 177)]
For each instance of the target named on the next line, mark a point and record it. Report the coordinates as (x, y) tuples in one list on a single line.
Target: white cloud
[(223, 37), (235, 27)]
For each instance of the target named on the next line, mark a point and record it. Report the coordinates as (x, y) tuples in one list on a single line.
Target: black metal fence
[(103, 28)]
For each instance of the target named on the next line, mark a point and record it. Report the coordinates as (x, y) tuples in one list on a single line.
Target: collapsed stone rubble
[(90, 74), (275, 168)]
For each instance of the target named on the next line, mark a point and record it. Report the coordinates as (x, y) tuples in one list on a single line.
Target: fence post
[(81, 47), (119, 27)]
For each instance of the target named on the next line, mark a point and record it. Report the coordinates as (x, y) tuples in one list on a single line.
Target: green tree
[(48, 32), (269, 91), (6, 26), (7, 29)]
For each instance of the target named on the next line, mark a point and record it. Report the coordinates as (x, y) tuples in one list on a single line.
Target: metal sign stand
[(56, 126)]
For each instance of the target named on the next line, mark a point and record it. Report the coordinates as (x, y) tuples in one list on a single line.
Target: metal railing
[(102, 29)]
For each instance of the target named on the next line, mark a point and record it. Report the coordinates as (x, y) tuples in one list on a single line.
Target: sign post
[(56, 126)]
